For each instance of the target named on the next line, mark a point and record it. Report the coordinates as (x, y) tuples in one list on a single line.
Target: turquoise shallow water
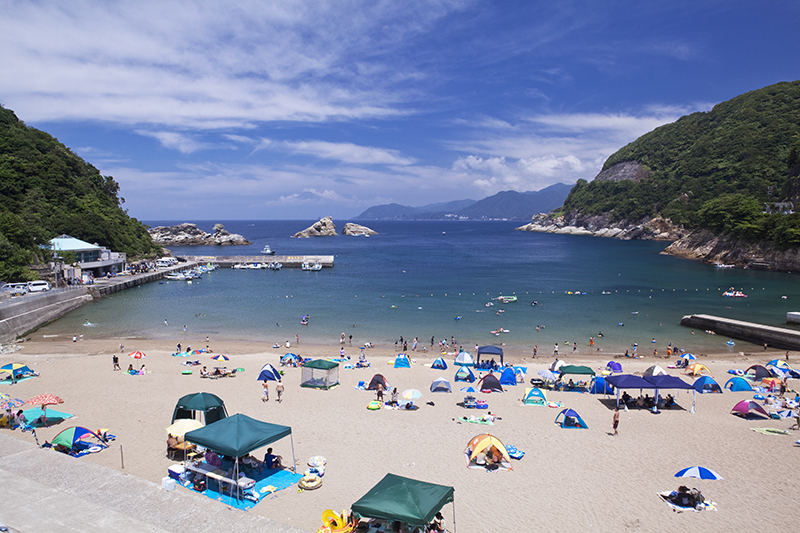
[(415, 278)]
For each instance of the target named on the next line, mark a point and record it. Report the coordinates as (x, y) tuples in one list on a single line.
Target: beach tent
[(403, 499), (238, 435), (489, 383), (268, 373), (486, 444), (464, 359), (601, 386), (696, 369), (439, 364), (212, 407), (320, 374), (558, 363), (614, 367), (290, 359), (628, 381), (508, 376), (772, 384), (569, 418), (378, 378), (757, 372), (441, 385), (667, 382), (465, 374), (654, 370), (490, 351), (77, 438), (705, 384), (576, 369), (778, 363), (534, 396), (747, 407), (402, 361), (738, 385), (15, 371)]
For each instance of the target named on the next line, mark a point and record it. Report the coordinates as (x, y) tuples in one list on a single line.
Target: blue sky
[(303, 109)]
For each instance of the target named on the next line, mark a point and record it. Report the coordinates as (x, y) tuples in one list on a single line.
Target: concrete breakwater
[(22, 314), (783, 338)]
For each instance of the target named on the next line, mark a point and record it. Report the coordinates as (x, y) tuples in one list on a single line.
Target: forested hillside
[(45, 191), (713, 170)]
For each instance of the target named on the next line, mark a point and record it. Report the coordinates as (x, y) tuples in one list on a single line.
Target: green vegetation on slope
[(714, 170), (46, 191)]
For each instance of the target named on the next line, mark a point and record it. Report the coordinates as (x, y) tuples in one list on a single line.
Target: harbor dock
[(775, 337), (288, 261)]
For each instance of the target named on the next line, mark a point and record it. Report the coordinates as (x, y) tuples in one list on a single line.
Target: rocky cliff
[(323, 228), (357, 229), (189, 235), (702, 245), (601, 226)]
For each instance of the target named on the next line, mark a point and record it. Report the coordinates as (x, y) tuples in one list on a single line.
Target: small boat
[(267, 250), (730, 293), (721, 265), (311, 267), (275, 266), (506, 299)]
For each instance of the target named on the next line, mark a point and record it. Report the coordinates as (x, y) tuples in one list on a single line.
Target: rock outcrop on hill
[(323, 228), (187, 234), (702, 245), (357, 230), (601, 226)]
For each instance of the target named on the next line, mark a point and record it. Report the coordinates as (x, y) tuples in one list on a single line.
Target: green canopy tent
[(320, 374), (576, 369), (238, 435), (211, 405), (404, 499)]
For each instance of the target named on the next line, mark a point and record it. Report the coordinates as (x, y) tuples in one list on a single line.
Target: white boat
[(275, 266), (722, 265), (311, 266), (267, 250)]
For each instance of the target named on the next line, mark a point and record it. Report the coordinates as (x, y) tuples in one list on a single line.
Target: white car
[(38, 286)]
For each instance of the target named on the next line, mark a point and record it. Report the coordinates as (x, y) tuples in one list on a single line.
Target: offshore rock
[(324, 228), (357, 229), (601, 226), (187, 234)]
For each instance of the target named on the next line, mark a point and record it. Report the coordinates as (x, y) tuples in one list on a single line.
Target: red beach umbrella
[(137, 355), (44, 400)]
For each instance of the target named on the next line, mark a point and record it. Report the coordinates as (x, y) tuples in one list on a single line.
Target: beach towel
[(705, 506), (770, 431), (514, 453), (475, 420)]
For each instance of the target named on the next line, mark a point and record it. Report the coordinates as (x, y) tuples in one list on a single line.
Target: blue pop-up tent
[(402, 361), (738, 385), (439, 364), (601, 386), (508, 377), (268, 373), (569, 418), (465, 374), (706, 384)]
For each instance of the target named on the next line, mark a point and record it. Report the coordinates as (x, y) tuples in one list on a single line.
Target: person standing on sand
[(265, 392), (297, 338), (555, 349), (115, 360), (616, 420), (535, 350), (341, 339), (279, 390)]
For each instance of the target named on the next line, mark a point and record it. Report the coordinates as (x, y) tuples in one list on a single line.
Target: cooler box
[(175, 472), (167, 483)]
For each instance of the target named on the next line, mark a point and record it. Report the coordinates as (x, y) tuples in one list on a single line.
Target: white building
[(91, 258)]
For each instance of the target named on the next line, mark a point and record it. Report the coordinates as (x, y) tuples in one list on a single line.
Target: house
[(93, 259)]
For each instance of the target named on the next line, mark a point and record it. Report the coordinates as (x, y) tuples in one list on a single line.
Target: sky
[(300, 109)]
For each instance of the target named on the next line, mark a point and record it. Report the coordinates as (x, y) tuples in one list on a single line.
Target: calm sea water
[(424, 279)]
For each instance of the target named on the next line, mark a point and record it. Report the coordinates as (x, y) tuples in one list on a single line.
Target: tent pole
[(454, 512), (294, 461), (694, 401)]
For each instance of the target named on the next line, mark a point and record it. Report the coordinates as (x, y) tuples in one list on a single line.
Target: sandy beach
[(568, 479)]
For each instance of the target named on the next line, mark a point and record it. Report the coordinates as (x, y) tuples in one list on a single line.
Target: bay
[(433, 279)]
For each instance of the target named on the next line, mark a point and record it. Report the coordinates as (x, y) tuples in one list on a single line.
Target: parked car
[(38, 286), (17, 289)]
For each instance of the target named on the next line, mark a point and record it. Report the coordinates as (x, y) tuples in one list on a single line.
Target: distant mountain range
[(509, 205)]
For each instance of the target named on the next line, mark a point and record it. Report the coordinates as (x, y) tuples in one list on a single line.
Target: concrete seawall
[(775, 337)]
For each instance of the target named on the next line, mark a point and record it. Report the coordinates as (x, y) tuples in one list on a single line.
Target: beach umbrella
[(698, 472), (548, 375), (688, 357), (183, 425), (137, 355), (10, 403), (783, 365), (411, 394), (44, 400), (220, 357), (468, 389)]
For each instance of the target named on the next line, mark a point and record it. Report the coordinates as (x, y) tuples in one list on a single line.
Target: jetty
[(783, 338), (288, 261)]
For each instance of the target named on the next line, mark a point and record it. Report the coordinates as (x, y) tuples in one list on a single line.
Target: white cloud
[(345, 152), (183, 143)]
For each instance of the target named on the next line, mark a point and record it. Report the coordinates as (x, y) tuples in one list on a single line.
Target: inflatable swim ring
[(337, 523), (317, 461), (730, 343), (310, 482), (94, 449), (315, 470), (554, 404), (374, 405)]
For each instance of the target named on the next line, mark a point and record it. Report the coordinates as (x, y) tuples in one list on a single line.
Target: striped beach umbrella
[(137, 354), (220, 357), (698, 472)]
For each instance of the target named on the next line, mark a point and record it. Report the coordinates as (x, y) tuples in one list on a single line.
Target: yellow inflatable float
[(337, 523)]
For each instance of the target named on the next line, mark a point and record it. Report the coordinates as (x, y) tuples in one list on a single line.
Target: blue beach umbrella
[(698, 472), (688, 356), (468, 389)]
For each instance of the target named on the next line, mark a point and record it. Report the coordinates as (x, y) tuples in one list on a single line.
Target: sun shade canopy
[(237, 435), (404, 499)]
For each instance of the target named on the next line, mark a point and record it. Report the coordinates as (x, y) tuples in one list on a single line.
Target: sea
[(435, 280)]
